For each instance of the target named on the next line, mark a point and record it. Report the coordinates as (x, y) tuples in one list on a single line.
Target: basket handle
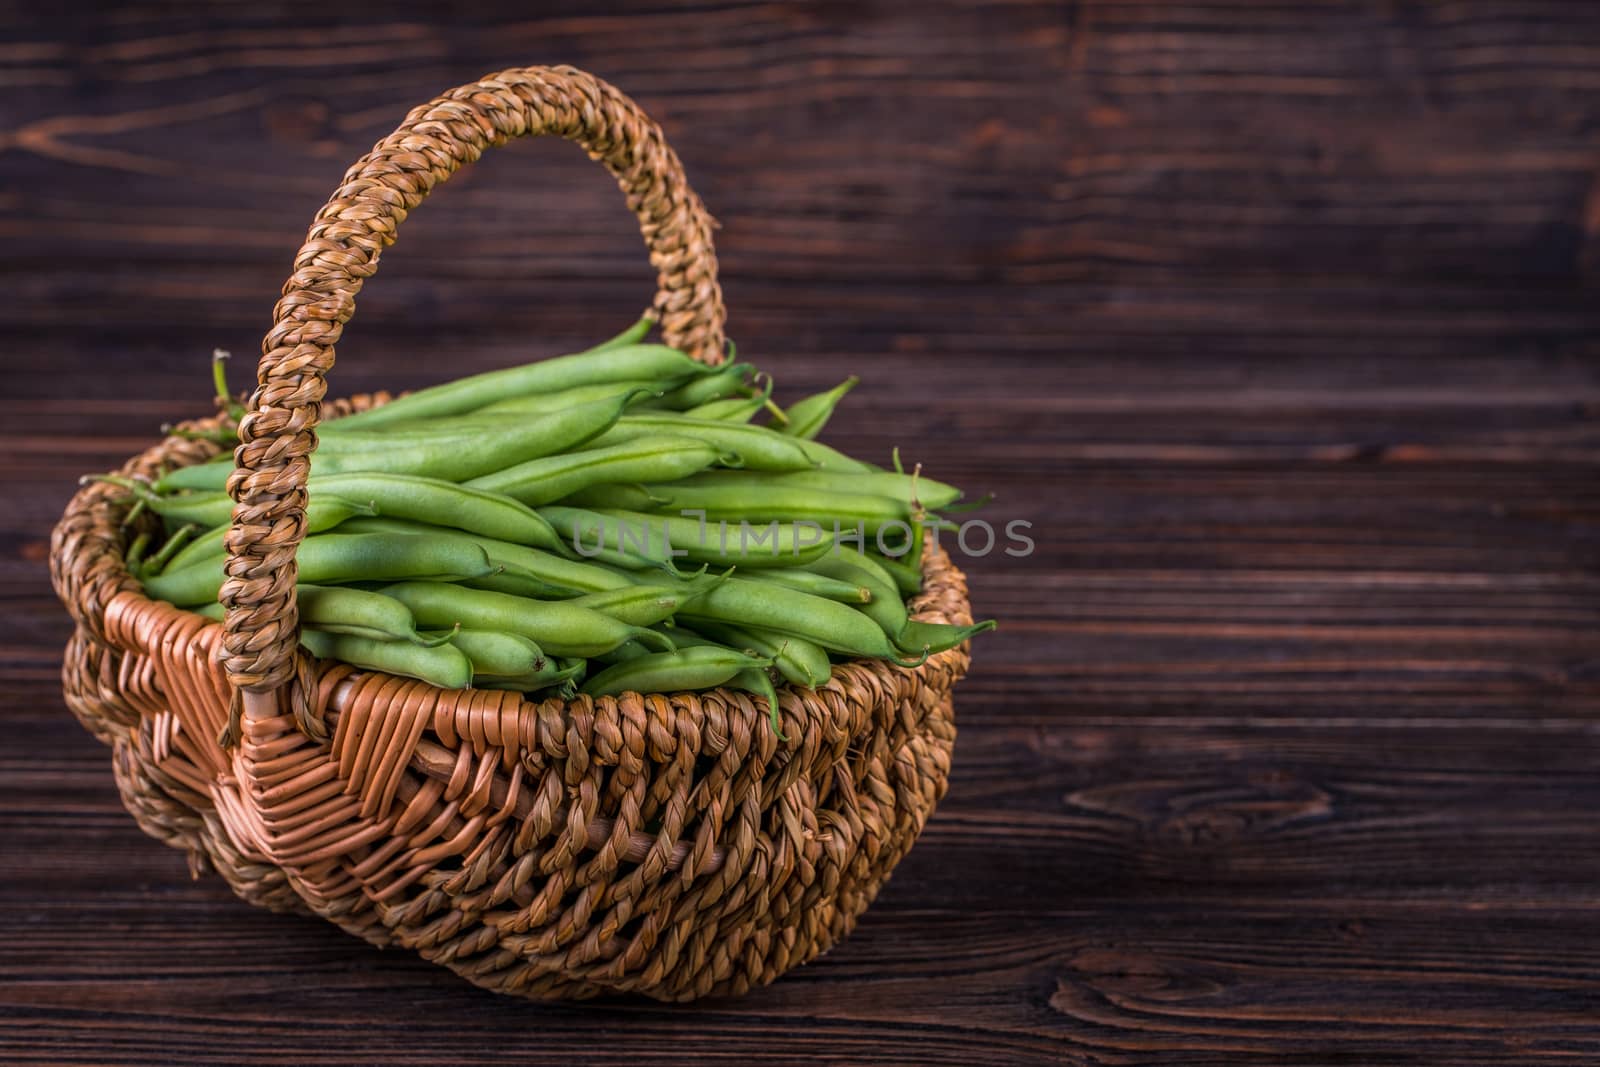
[(341, 251)]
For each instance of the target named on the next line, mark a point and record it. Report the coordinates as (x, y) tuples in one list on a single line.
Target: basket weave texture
[(664, 844)]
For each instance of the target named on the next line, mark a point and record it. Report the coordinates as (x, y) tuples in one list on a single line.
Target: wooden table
[(1276, 320)]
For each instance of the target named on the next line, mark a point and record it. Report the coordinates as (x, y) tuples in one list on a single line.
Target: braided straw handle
[(341, 252)]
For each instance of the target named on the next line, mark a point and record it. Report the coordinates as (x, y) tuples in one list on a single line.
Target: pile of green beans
[(623, 519)]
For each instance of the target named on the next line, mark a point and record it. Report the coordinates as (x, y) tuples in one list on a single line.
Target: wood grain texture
[(1277, 320)]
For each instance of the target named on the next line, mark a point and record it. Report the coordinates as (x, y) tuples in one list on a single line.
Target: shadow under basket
[(669, 845)]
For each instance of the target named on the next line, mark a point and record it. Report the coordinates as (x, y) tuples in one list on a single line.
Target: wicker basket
[(665, 844)]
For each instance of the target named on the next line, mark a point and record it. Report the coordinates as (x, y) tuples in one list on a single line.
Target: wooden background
[(1277, 319)]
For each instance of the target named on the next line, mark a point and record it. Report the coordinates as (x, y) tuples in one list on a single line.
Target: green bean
[(495, 653), (754, 501), (133, 558), (750, 680), (735, 408), (816, 583), (166, 552), (886, 607), (732, 409), (907, 578), (828, 623), (626, 651), (645, 605), (357, 612), (560, 673), (724, 382), (801, 662), (546, 480), (558, 627), (757, 682), (207, 508), (623, 363), (334, 558), (873, 576), (432, 500), (807, 417), (634, 497), (466, 449), (639, 390), (664, 537), (196, 476), (323, 513), (456, 453), (910, 490), (758, 447), (586, 533), (506, 557), (889, 611), (631, 336), (549, 575), (701, 667), (831, 459), (443, 665), (338, 609), (929, 638), (335, 438)]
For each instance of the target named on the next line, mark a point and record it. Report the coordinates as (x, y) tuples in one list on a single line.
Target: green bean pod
[(622, 363), (827, 509), (807, 417), (758, 447), (492, 652), (323, 513), (206, 508), (732, 409), (751, 680), (431, 500), (801, 662), (815, 582), (825, 458), (886, 607), (724, 382), (465, 449), (687, 669), (551, 478), (907, 577), (213, 508), (558, 626), (736, 408), (644, 605), (667, 537), (929, 638), (834, 626), (516, 559), (455, 453), (560, 673), (639, 390), (212, 474), (537, 573), (442, 665), (338, 609), (758, 682), (910, 490), (633, 335), (628, 650), (889, 611), (337, 558), (174, 544)]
